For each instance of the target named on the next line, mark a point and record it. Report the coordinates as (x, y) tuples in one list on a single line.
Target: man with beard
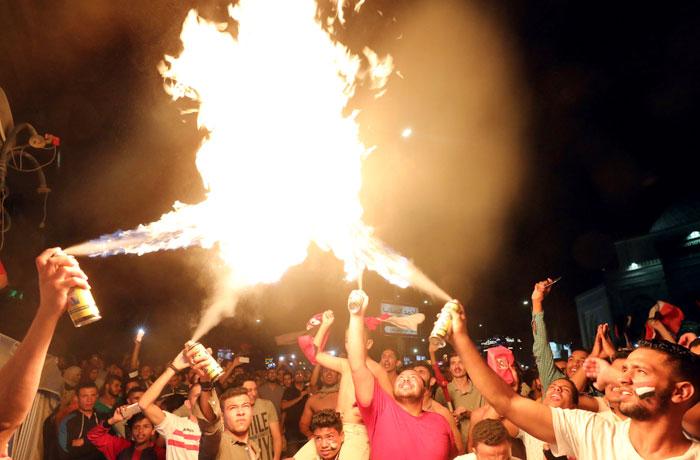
[(325, 398), (328, 434), (272, 390), (426, 372), (464, 395), (110, 398), (665, 374), (116, 448), (398, 427), (610, 403)]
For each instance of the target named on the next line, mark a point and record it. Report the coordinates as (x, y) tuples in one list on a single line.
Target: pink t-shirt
[(397, 435)]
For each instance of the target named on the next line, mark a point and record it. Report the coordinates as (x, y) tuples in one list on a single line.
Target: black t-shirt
[(291, 421)]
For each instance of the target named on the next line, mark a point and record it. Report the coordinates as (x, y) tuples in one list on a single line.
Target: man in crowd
[(110, 398), (356, 442), (464, 395), (491, 442), (19, 377), (544, 359), (132, 397), (325, 398), (426, 372), (265, 426), (272, 391), (141, 445), (293, 403), (327, 429), (73, 431), (182, 434), (389, 361), (665, 374), (398, 427)]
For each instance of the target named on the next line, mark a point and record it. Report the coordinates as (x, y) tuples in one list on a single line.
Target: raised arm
[(19, 377), (540, 345), (134, 362), (148, 399), (362, 377), (324, 359), (531, 416)]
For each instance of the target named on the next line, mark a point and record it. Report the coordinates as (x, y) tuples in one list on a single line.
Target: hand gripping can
[(211, 367), (356, 300), (82, 308), (443, 325)]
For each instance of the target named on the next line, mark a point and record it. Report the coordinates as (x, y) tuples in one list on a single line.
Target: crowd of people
[(610, 402)]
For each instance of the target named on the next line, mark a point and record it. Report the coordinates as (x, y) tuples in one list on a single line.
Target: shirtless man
[(325, 398), (356, 444)]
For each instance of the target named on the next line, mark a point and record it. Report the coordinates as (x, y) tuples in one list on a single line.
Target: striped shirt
[(182, 437)]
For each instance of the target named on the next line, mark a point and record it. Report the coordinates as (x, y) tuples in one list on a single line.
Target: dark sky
[(611, 101)]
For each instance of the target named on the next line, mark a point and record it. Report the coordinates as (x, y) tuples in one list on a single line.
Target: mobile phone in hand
[(131, 410)]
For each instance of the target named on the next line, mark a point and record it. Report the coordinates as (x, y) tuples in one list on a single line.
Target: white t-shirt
[(605, 411), (533, 446), (586, 435), (472, 456), (182, 437)]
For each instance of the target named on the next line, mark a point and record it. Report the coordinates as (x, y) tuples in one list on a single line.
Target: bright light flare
[(406, 133), (281, 161)]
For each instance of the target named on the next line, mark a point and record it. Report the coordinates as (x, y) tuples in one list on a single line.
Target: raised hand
[(541, 289), (58, 274), (327, 318), (357, 302), (601, 371)]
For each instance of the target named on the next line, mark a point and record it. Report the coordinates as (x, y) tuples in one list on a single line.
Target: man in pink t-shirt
[(398, 428)]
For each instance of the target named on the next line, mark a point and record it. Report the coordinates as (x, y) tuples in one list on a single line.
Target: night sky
[(607, 101)]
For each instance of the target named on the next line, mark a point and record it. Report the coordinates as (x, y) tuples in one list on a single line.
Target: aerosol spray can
[(356, 300), (211, 367), (82, 308), (443, 325)]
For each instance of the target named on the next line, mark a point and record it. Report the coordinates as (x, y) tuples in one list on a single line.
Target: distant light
[(425, 302), (693, 235), (257, 320), (332, 352), (293, 356), (480, 324), (422, 340), (634, 266), (406, 133), (415, 350), (525, 302), (142, 331), (281, 358), (291, 364)]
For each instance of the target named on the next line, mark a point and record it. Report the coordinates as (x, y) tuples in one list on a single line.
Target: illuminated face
[(134, 397), (238, 413), (142, 431), (115, 388), (328, 442), (560, 393), (252, 389), (612, 390), (389, 360), (409, 386), (87, 398), (456, 367), (645, 368), (329, 377), (575, 362), (146, 372), (287, 380), (497, 452), (425, 375)]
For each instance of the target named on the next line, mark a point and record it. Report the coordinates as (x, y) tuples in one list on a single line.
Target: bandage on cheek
[(645, 392)]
